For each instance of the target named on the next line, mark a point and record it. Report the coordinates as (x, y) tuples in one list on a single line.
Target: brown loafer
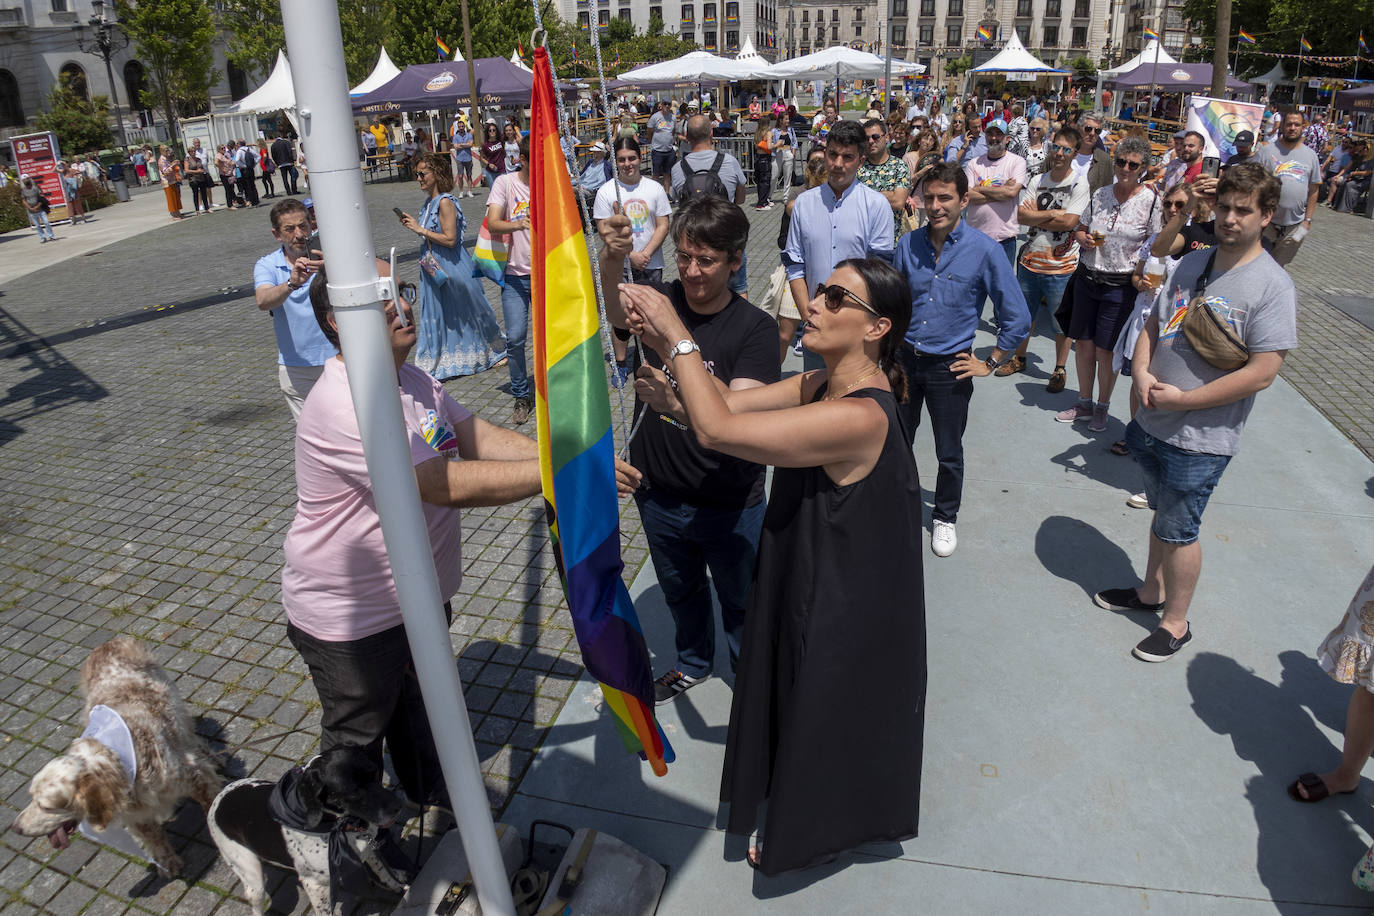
[(1010, 367)]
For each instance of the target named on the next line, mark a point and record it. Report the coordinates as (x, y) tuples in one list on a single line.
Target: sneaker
[(1138, 501), (1161, 645), (1074, 414), (1056, 383), (523, 408), (1124, 599), (764, 207), (1010, 367), (1099, 420), (673, 685), (942, 538)]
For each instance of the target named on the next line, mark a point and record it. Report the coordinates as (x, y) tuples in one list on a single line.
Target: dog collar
[(109, 728)]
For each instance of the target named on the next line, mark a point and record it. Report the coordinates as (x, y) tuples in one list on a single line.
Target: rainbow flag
[(576, 451), (574, 50), (984, 33), (489, 256), (1151, 34), (1363, 47), (1305, 44), (444, 50), (1245, 37)]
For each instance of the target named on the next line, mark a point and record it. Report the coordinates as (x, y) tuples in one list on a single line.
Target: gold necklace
[(853, 385)]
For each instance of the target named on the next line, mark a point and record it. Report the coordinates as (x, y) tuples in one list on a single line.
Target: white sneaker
[(942, 539), (1138, 501)]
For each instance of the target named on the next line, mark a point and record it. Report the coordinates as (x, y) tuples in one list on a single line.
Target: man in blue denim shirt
[(951, 268)]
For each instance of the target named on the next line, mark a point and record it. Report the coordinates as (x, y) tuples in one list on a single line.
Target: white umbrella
[(697, 65), (383, 73), (839, 63)]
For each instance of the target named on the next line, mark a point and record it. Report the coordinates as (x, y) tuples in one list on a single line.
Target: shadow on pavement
[(1304, 853), (46, 379), (1077, 552)]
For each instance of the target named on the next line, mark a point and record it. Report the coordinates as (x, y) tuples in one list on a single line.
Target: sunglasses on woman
[(1127, 164), (835, 296)]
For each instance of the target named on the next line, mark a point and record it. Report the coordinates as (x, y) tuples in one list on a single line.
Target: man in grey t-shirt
[(1300, 173), (1192, 413), (661, 142), (701, 157)]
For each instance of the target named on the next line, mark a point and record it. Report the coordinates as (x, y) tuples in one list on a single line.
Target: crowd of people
[(1169, 272)]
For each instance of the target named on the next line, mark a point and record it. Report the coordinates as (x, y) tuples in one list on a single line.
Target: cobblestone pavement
[(147, 460)]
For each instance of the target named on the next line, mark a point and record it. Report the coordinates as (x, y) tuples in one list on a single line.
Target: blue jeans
[(515, 310), (40, 222), (1047, 288), (947, 399), (739, 280), (1178, 484), (1009, 249), (684, 542)]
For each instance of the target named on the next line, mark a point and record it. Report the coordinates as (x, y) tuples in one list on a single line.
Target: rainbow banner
[(1245, 37), (489, 255), (1219, 120), (443, 50), (1363, 47), (984, 33), (1305, 44), (1151, 34), (576, 451)]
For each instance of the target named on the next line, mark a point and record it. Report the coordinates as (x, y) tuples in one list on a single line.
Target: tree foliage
[(173, 38), (958, 65), (256, 34), (1330, 25), (366, 26), (80, 125)]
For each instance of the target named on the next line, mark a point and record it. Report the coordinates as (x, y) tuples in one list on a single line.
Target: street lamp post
[(106, 41)]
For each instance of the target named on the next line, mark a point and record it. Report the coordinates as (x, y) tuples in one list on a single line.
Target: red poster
[(36, 156)]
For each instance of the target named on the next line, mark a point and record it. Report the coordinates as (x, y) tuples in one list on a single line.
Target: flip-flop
[(1316, 789)]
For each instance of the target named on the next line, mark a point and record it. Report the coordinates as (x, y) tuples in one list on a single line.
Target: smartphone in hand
[(1211, 165), (400, 214)]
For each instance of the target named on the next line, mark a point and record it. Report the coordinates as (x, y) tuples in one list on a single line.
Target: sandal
[(1119, 447), (1316, 789), (755, 854)]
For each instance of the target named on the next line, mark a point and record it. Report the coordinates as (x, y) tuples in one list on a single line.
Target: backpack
[(706, 182)]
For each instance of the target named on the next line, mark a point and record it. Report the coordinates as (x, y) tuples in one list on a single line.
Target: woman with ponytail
[(832, 670)]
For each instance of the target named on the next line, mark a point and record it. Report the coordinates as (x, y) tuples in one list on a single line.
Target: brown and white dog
[(90, 782)]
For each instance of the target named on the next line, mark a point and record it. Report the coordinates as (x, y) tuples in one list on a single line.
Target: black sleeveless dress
[(828, 713)]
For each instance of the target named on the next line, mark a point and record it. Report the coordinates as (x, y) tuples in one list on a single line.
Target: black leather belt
[(924, 355), (1103, 278)]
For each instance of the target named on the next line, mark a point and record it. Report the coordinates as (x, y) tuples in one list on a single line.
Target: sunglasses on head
[(835, 296), (1127, 164)]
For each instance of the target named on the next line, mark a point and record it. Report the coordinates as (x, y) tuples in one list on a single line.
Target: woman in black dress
[(826, 724)]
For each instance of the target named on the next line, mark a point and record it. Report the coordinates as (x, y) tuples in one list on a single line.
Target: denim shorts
[(1046, 288), (1178, 484)]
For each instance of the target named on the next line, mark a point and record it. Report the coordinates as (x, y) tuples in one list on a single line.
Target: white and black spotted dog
[(327, 821)]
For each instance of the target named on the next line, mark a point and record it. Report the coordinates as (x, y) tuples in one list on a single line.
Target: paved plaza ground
[(146, 456)]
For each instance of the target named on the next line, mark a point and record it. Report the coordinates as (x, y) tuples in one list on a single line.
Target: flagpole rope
[(588, 232)]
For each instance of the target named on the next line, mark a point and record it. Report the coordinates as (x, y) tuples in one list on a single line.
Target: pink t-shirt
[(337, 585), (513, 197), (998, 218)]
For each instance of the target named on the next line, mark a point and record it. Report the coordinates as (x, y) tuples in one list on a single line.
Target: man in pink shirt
[(508, 214), (342, 612), (995, 180)]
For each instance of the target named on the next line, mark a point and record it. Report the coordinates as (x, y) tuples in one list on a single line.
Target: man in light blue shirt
[(960, 151), (840, 219), (281, 282), (951, 268)]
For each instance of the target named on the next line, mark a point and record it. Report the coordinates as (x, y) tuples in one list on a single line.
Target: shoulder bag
[(1210, 334)]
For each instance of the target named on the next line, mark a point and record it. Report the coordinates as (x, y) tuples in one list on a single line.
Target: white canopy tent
[(274, 94), (1146, 56), (383, 73), (1275, 77), (277, 93), (515, 59), (697, 65), (839, 63), (748, 53), (1014, 58)]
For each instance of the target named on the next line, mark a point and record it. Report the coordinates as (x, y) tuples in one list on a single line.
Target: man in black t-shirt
[(701, 510)]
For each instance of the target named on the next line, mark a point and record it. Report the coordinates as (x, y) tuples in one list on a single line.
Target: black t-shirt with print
[(1197, 237), (739, 341)]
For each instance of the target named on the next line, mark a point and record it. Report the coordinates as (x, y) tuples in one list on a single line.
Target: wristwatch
[(990, 362), (682, 348)]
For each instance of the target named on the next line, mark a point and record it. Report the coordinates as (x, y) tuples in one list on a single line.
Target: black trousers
[(930, 382), (289, 176), (231, 189), (369, 694), (763, 176), (200, 193), (248, 188)]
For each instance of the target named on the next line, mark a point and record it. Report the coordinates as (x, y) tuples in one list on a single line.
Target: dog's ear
[(310, 790), (98, 797)]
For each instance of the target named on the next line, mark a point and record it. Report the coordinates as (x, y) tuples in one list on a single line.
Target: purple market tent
[(1361, 99), (444, 84), (1175, 78)]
